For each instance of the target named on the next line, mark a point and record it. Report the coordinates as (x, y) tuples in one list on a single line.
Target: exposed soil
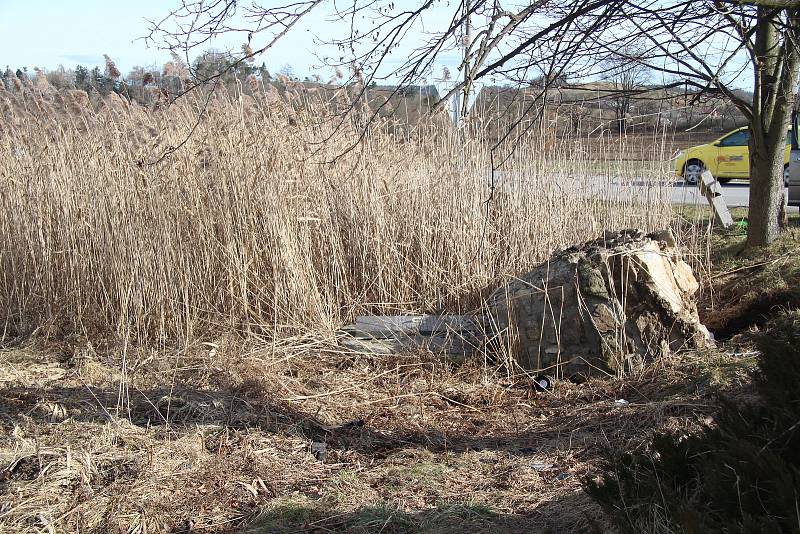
[(734, 319), (749, 287)]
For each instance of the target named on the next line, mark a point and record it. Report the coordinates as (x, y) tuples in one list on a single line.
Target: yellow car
[(726, 158)]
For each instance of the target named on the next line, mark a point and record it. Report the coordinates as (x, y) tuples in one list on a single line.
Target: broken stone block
[(453, 335), (606, 306)]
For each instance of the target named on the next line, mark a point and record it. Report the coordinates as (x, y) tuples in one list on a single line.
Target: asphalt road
[(736, 194)]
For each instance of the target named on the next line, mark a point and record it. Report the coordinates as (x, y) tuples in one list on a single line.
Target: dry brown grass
[(219, 438), (253, 224), (185, 311)]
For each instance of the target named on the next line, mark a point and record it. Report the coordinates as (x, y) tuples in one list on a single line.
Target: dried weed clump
[(269, 218)]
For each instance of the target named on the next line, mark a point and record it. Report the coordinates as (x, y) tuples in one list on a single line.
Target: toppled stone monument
[(608, 305), (452, 335)]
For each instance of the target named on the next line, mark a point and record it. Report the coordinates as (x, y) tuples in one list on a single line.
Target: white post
[(712, 190), (464, 106), (456, 109)]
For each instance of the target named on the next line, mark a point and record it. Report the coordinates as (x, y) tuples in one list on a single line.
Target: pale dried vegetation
[(169, 349), (254, 222)]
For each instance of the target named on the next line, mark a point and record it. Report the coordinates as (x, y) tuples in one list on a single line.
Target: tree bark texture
[(777, 61)]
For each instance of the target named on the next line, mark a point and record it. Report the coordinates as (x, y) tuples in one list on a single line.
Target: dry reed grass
[(254, 224), (147, 412)]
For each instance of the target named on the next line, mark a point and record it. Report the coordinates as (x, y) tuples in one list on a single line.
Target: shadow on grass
[(177, 411), (578, 426), (294, 515)]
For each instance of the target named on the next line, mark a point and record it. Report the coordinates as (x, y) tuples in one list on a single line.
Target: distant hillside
[(594, 108)]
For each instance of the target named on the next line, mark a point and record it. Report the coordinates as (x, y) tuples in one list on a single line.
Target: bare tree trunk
[(777, 65), (767, 213), (621, 107)]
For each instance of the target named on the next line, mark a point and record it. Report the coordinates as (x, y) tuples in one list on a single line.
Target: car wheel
[(692, 171), (786, 176)]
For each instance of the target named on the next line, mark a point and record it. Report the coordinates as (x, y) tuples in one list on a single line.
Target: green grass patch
[(286, 514), (299, 515)]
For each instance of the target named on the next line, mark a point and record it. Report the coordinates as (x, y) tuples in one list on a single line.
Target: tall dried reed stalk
[(256, 223)]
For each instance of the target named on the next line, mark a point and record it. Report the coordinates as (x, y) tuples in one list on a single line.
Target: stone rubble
[(606, 306)]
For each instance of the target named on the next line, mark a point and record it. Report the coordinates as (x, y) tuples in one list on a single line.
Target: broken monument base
[(606, 306)]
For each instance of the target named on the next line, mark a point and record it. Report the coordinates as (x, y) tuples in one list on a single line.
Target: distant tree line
[(618, 104), (142, 82)]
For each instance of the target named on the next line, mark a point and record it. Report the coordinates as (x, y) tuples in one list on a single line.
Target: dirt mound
[(754, 311)]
